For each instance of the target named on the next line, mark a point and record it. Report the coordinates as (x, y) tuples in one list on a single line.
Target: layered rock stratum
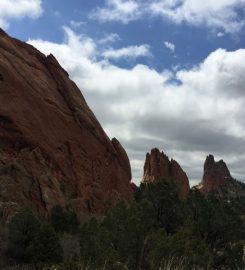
[(158, 166), (52, 148)]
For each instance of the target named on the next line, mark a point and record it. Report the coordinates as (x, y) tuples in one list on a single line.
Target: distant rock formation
[(52, 148), (216, 175), (157, 166)]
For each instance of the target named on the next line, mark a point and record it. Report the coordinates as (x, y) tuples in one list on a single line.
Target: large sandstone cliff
[(216, 175), (157, 166), (52, 148)]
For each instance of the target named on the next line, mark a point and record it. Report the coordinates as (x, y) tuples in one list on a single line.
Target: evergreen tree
[(23, 229), (164, 197), (59, 219), (46, 245), (31, 241)]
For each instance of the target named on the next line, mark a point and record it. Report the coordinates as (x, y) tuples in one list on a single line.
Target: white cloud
[(109, 38), (201, 115), (3, 23), (16, 9), (127, 52), (220, 34), (169, 46), (220, 14), (77, 24), (117, 10)]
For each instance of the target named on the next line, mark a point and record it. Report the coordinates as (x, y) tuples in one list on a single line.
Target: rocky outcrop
[(157, 166), (52, 148), (216, 175)]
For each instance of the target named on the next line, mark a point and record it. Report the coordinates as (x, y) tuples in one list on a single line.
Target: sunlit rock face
[(158, 166), (52, 148)]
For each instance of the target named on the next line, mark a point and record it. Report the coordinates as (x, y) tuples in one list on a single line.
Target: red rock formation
[(216, 175), (181, 178), (157, 166), (52, 148)]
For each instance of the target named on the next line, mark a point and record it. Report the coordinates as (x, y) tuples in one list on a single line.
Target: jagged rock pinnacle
[(157, 166), (216, 175)]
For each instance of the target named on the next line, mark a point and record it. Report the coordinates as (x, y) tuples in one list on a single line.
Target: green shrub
[(31, 241), (64, 221)]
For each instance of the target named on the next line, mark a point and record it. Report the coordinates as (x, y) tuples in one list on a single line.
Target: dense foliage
[(64, 221), (205, 232), (32, 241)]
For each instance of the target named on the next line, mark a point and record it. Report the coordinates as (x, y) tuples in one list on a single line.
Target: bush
[(31, 241), (23, 230), (64, 221), (47, 248), (59, 219), (3, 244)]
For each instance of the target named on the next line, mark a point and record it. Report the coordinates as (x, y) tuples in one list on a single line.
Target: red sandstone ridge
[(52, 148), (157, 166), (216, 175)]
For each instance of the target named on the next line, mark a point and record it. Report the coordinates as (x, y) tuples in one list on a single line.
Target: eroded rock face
[(216, 175), (157, 166), (52, 148)]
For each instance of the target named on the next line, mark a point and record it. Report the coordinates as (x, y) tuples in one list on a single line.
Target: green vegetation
[(32, 241), (156, 231), (64, 221), (202, 232)]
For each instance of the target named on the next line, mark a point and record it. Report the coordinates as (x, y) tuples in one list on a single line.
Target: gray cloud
[(143, 109), (196, 135)]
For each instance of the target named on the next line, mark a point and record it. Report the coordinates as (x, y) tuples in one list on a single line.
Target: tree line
[(205, 232)]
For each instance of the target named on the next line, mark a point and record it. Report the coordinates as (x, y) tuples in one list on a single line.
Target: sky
[(157, 73)]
